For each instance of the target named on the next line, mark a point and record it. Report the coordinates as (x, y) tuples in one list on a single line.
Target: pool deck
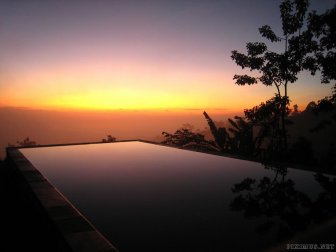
[(23, 229)]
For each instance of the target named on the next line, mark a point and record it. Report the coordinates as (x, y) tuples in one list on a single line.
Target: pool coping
[(78, 233)]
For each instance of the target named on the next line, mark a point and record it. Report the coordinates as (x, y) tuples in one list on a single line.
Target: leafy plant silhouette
[(256, 134), (26, 142), (309, 44), (109, 139), (187, 139)]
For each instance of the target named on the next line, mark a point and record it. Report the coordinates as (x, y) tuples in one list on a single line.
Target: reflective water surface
[(146, 197)]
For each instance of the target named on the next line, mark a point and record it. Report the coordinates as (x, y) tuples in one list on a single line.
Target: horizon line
[(72, 109)]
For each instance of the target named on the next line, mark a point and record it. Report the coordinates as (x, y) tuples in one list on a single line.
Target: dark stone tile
[(89, 242), (33, 176), (23, 226), (47, 194), (74, 225), (25, 166), (62, 212)]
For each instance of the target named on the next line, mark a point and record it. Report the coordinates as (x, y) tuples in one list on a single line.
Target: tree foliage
[(220, 134), (26, 142), (185, 138), (322, 28), (237, 138), (309, 43), (109, 139), (277, 68), (255, 134)]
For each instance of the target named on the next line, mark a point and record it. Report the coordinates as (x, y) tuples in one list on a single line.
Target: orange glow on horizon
[(139, 86)]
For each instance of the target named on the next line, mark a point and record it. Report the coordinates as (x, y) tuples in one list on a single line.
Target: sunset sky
[(155, 54)]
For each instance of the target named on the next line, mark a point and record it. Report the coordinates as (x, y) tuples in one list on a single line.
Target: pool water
[(148, 197)]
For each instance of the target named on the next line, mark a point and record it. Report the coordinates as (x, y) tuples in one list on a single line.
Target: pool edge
[(78, 234)]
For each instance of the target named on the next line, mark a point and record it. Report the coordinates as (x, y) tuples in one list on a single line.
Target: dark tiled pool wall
[(71, 231)]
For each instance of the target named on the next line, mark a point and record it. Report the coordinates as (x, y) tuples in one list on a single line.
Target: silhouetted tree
[(220, 134), (187, 139), (24, 143), (295, 110), (321, 32), (328, 160), (309, 43), (242, 136), (109, 139), (301, 152), (237, 139), (265, 119), (326, 105), (255, 134), (322, 28)]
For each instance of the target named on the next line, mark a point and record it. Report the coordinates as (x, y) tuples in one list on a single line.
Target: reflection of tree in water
[(325, 205), (286, 209)]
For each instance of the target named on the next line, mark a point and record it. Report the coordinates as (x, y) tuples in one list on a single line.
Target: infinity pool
[(148, 197)]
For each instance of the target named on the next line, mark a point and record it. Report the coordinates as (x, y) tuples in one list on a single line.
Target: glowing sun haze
[(139, 55)]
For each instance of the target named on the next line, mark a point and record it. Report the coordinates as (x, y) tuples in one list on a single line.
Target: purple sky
[(109, 54)]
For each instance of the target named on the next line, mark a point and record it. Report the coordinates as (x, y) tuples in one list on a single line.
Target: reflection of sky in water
[(159, 198)]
